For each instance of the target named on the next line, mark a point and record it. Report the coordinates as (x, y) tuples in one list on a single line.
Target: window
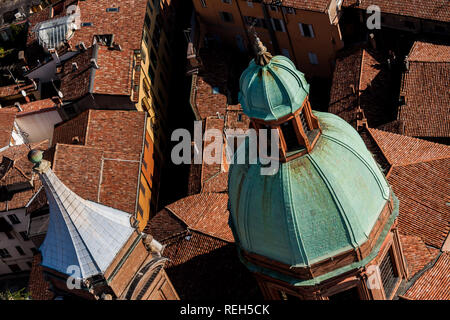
[(140, 210), (149, 6), (389, 276), (112, 9), (106, 39), (20, 250), (290, 136), (313, 58), (239, 117), (273, 8), (250, 4), (13, 218), (151, 73), (226, 16), (285, 52), (4, 253), (141, 187), (86, 24), (278, 24), (203, 3), (14, 268), (346, 295), (306, 30), (147, 21), (24, 235), (154, 58), (288, 10), (215, 90)]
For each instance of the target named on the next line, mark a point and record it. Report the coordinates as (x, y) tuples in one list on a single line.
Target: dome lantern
[(274, 95)]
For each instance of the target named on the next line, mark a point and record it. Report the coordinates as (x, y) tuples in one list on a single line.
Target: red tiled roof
[(7, 118), (217, 183), (400, 150), (211, 169), (423, 189), (205, 212), (20, 172), (314, 5), (425, 84), (431, 10), (105, 167), (361, 80), (434, 284), (202, 267), (14, 89), (39, 288), (113, 75), (37, 106), (416, 253)]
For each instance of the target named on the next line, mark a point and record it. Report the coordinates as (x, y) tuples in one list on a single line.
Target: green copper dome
[(316, 206), (272, 91)]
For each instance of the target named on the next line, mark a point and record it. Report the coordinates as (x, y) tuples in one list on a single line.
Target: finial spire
[(263, 57)]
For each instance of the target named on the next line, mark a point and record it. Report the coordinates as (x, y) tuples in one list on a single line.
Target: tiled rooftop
[(206, 213), (425, 88), (202, 267), (434, 284), (361, 78), (36, 107), (104, 166), (433, 10), (7, 118), (113, 75), (416, 253), (39, 288), (19, 172)]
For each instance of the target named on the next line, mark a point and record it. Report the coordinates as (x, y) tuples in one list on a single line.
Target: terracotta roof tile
[(416, 253), (433, 10), (425, 84), (7, 118), (361, 79), (434, 284), (20, 172), (217, 183), (37, 106), (202, 267), (401, 149), (423, 190), (104, 167), (205, 212), (39, 288)]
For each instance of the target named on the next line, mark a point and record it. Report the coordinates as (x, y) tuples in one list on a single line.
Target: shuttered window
[(389, 275)]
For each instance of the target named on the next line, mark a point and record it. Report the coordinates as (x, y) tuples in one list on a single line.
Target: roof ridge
[(421, 161)]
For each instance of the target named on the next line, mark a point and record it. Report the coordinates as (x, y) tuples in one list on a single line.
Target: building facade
[(307, 33)]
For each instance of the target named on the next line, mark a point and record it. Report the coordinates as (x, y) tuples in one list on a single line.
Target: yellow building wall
[(326, 42), (153, 97)]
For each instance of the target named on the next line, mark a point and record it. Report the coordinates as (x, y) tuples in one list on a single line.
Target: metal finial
[(263, 57)]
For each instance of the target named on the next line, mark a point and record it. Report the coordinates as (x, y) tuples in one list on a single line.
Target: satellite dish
[(23, 93), (60, 94)]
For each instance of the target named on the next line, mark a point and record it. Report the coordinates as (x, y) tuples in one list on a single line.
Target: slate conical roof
[(81, 233)]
